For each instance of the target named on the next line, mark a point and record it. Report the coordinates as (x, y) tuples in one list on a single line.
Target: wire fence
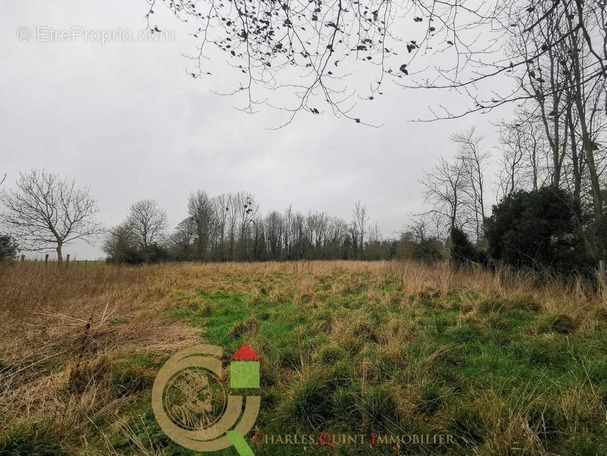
[(67, 262)]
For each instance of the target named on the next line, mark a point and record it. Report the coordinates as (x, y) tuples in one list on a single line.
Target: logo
[(192, 404)]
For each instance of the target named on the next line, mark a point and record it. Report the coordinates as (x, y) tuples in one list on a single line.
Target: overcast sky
[(126, 120)]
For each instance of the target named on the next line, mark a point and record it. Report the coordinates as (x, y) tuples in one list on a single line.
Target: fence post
[(46, 259), (601, 277), (67, 260)]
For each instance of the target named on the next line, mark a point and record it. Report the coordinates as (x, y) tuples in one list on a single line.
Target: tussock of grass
[(36, 439), (502, 305), (557, 323), (246, 328), (309, 404)]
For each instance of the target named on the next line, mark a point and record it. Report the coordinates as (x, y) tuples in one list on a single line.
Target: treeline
[(44, 212), (536, 228), (230, 227)]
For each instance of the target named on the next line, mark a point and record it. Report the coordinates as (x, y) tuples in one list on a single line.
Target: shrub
[(8, 247), (156, 253), (462, 251), (536, 229), (422, 249), (122, 248)]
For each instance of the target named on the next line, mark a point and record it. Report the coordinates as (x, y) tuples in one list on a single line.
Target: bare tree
[(446, 190), (361, 219), (316, 227), (287, 232), (474, 162), (568, 84), (46, 211), (185, 233), (354, 238), (512, 160), (274, 232), (247, 209), (298, 235), (201, 214), (525, 160), (221, 210), (337, 234), (233, 207), (148, 222)]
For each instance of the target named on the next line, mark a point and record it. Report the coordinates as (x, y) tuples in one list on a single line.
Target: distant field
[(502, 364)]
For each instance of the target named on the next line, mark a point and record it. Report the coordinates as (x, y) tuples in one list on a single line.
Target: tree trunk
[(362, 245), (577, 173), (59, 253)]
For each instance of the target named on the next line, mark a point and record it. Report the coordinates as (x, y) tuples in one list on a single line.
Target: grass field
[(503, 364)]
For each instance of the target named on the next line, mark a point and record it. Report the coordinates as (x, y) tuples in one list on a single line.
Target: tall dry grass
[(58, 328)]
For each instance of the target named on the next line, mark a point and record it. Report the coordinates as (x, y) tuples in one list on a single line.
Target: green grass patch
[(36, 439), (481, 369)]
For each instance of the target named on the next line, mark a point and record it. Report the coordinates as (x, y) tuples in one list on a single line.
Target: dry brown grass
[(56, 324)]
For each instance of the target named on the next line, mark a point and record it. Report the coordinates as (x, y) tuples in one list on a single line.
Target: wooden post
[(67, 260), (46, 259), (22, 258), (601, 277)]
